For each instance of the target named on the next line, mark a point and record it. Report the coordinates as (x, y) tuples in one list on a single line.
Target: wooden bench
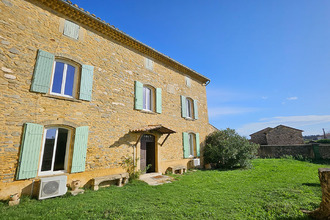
[(121, 178), (177, 169)]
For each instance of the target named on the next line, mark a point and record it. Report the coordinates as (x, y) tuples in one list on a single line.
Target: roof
[(263, 131), (269, 129), (159, 128), (77, 14)]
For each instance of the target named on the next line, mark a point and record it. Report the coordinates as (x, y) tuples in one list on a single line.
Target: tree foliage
[(227, 149)]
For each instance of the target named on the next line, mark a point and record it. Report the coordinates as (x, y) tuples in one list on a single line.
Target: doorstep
[(155, 179)]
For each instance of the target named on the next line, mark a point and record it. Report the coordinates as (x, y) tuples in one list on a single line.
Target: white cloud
[(292, 98), (311, 124), (264, 97), (220, 111)]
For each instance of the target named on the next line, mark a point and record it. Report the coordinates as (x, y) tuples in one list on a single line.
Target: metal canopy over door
[(148, 153)]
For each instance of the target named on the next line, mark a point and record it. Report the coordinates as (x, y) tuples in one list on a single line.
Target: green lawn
[(273, 189)]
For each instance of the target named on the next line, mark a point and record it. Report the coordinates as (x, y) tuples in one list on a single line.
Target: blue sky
[(268, 61)]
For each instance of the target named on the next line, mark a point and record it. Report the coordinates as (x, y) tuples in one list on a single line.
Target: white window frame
[(145, 98), (191, 137), (51, 172), (189, 108), (64, 78)]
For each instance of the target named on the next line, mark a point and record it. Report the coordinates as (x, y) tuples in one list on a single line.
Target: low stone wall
[(314, 151)]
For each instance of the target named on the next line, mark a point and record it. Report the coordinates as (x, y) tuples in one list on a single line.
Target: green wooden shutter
[(183, 107), (86, 83), (158, 100), (195, 109), (185, 140), (198, 149), (79, 150), (138, 95), (30, 151), (42, 72)]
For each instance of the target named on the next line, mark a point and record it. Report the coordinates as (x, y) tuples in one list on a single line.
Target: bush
[(324, 141), (227, 149)]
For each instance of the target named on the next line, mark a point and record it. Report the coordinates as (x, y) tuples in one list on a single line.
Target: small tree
[(227, 149)]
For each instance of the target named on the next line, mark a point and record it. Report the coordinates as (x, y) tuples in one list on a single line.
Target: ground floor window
[(191, 145), (54, 150)]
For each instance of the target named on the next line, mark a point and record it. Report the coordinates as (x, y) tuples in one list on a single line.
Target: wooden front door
[(148, 153)]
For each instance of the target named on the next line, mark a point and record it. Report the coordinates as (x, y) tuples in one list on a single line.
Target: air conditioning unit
[(196, 162), (52, 187)]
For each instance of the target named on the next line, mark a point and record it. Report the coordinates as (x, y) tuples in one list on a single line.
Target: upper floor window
[(63, 80), (48, 151), (147, 98), (189, 108), (61, 77)]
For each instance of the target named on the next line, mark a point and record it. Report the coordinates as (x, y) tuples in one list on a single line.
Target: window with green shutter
[(189, 108), (191, 145), (147, 98), (59, 76)]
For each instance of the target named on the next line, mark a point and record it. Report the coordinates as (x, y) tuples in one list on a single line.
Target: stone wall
[(321, 151), (25, 28)]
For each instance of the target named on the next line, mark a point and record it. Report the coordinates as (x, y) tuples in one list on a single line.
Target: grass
[(272, 189)]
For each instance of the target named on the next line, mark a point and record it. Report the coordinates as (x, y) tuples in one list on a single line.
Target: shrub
[(323, 141), (227, 149)]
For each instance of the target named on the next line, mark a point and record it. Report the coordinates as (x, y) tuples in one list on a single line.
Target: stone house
[(78, 95), (280, 135)]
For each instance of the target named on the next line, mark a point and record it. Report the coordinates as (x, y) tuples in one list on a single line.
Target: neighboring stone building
[(280, 135), (78, 95)]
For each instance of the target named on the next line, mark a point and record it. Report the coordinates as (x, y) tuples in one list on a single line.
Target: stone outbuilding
[(280, 135), (78, 96)]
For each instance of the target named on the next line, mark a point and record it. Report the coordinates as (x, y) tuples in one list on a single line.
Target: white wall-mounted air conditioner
[(52, 187), (196, 162)]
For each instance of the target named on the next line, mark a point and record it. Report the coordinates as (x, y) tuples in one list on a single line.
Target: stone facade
[(118, 60), (280, 135)]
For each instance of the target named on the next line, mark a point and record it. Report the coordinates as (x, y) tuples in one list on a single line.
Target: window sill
[(61, 98), (51, 175), (190, 119), (148, 112)]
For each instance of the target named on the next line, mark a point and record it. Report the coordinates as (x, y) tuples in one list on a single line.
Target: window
[(45, 151), (63, 80), (60, 77), (189, 108), (71, 29), (191, 145), (147, 98), (54, 151)]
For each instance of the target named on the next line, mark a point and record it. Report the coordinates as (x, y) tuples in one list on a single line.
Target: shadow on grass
[(306, 217), (312, 184)]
